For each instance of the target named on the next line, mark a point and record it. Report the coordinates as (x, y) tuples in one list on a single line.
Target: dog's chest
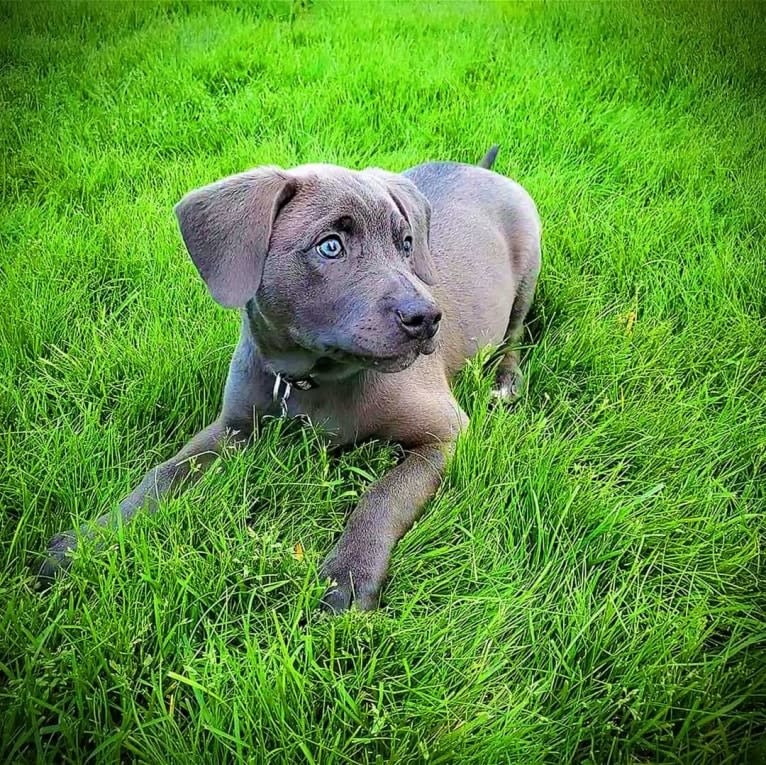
[(329, 413)]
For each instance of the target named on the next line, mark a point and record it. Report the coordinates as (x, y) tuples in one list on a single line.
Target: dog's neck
[(281, 357)]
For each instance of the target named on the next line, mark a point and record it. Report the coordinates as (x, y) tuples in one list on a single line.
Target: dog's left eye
[(330, 248), (407, 245)]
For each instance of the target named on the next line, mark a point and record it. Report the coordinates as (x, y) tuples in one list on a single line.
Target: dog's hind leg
[(508, 378)]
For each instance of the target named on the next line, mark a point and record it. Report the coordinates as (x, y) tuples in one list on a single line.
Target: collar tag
[(284, 385), (281, 399)]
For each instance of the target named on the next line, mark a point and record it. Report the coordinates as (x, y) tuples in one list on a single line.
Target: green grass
[(587, 586)]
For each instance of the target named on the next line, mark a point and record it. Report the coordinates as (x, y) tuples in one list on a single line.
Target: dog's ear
[(417, 210), (226, 227)]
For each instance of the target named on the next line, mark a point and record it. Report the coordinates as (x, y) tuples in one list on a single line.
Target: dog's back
[(485, 240)]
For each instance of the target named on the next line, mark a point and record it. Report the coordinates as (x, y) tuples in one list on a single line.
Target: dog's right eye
[(330, 248)]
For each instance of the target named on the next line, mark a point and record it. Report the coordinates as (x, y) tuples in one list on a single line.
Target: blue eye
[(407, 245), (330, 248)]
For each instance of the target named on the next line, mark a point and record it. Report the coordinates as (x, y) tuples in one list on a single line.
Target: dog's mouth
[(336, 354), (380, 362)]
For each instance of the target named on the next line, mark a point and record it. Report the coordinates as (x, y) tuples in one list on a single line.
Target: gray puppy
[(362, 293)]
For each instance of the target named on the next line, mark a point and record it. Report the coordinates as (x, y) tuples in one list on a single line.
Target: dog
[(362, 294)]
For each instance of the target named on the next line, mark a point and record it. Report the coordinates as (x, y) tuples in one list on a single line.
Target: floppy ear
[(226, 227), (417, 210)]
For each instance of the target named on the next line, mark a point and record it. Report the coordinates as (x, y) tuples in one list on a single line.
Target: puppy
[(361, 293)]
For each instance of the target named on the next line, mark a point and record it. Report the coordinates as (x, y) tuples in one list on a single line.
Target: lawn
[(588, 584)]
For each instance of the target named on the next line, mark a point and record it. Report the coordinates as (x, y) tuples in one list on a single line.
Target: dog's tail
[(489, 158)]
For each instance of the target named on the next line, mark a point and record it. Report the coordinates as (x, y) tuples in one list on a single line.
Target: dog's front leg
[(177, 472), (358, 564)]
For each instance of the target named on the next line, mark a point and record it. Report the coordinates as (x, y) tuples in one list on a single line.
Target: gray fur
[(363, 327)]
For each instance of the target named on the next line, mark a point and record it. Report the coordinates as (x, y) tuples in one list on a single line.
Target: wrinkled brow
[(329, 223), (399, 222)]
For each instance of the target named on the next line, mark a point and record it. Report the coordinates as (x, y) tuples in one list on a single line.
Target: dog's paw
[(509, 384), (348, 586), (58, 559)]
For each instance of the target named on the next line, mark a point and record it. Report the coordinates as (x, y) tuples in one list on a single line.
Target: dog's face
[(330, 262)]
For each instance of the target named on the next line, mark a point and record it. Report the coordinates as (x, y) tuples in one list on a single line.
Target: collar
[(303, 383), (283, 386)]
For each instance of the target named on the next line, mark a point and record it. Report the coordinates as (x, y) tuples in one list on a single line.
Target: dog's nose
[(418, 318)]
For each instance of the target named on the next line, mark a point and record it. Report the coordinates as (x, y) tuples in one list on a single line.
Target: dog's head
[(332, 263)]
